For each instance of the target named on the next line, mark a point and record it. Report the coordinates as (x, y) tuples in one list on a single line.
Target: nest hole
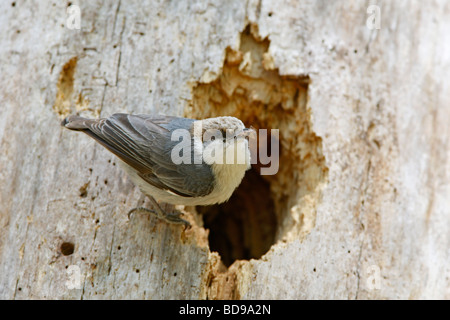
[(264, 209)]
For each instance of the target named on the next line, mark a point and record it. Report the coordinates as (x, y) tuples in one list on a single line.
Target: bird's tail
[(74, 122)]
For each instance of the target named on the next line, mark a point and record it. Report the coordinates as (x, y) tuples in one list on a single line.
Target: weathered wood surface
[(374, 206)]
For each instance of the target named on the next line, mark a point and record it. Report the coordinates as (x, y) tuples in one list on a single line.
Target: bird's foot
[(173, 217)]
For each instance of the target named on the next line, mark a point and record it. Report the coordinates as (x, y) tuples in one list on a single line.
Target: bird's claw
[(172, 218)]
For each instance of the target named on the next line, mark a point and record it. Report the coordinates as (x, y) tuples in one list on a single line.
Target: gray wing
[(144, 143)]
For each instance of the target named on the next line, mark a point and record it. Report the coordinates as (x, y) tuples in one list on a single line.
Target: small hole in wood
[(67, 248)]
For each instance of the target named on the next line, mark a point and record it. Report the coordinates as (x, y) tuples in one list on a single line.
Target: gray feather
[(144, 143)]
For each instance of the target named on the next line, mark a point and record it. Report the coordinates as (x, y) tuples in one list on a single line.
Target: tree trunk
[(359, 208)]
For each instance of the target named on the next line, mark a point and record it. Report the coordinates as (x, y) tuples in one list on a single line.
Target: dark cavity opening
[(244, 227)]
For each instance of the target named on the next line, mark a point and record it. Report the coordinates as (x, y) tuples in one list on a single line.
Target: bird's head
[(224, 140)]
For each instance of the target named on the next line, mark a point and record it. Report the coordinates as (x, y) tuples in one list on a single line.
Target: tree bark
[(358, 210)]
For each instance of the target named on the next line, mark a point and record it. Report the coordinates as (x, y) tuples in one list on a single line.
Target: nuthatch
[(149, 150)]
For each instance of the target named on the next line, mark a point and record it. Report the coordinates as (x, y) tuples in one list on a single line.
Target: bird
[(215, 151)]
